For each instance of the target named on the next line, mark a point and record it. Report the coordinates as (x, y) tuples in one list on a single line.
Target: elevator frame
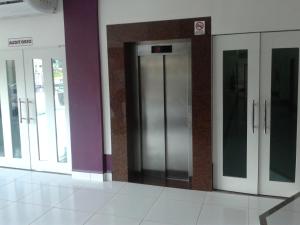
[(119, 36), (170, 148)]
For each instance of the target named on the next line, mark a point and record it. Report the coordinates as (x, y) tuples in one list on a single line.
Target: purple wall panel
[(83, 63)]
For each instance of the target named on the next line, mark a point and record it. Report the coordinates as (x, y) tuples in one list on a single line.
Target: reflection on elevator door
[(160, 89)]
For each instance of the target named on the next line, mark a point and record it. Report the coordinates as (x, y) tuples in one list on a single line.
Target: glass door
[(279, 145), (47, 100), (14, 144), (236, 112)]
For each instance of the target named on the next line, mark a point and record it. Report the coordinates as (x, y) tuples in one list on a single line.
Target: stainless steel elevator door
[(178, 128), (152, 113)]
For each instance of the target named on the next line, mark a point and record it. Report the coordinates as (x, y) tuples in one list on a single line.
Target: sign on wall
[(199, 28), (19, 42)]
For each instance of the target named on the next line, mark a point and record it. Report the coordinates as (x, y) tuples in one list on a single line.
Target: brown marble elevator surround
[(118, 36)]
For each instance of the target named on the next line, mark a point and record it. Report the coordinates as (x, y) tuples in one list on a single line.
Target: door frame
[(269, 41), (251, 42), (28, 164), (8, 160), (271, 188), (119, 36)]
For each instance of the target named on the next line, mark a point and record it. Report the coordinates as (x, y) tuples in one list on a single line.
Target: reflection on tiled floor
[(50, 199)]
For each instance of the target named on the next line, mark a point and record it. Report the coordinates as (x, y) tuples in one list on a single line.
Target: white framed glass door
[(47, 97), (279, 144), (14, 143), (236, 112)]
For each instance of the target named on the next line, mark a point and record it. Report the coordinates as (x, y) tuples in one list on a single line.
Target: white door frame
[(269, 41), (47, 54), (24, 72), (8, 160), (251, 42)]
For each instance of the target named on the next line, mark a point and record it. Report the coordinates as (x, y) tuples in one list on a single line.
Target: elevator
[(158, 79)]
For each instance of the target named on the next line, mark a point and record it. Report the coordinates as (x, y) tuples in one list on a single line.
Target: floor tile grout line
[(203, 204), (69, 196), (198, 217), (90, 214), (72, 210), (154, 221), (89, 217), (39, 217), (154, 203), (113, 196), (248, 216)]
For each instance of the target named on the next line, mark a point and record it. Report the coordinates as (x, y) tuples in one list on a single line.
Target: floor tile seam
[(142, 186), (248, 216), (4, 184), (89, 218), (114, 215), (107, 202), (72, 209), (41, 187), (200, 214), (26, 194), (98, 209), (23, 176), (182, 200), (153, 204), (63, 199), (111, 214), (138, 195), (34, 204), (227, 206), (155, 221), (95, 189), (123, 185), (120, 190), (10, 182), (6, 204), (39, 217)]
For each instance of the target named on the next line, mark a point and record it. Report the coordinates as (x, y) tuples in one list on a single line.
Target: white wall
[(47, 30), (228, 16)]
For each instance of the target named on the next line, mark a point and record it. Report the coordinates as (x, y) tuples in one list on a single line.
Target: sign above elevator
[(162, 49), (19, 42), (199, 28)]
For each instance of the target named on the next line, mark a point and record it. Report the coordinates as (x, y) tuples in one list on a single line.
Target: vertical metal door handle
[(21, 114), (265, 116), (253, 116), (21, 111), (28, 111), (27, 108)]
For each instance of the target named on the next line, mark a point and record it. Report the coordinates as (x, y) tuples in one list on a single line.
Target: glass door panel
[(60, 110), (236, 111), (1, 133), (235, 88), (41, 112), (47, 92), (13, 107), (279, 150), (284, 114), (13, 127)]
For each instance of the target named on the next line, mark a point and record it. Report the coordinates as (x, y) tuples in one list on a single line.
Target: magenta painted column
[(84, 81)]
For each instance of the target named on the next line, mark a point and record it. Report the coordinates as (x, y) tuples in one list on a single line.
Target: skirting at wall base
[(108, 177), (93, 177)]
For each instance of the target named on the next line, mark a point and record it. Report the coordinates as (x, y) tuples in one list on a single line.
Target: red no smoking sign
[(199, 28)]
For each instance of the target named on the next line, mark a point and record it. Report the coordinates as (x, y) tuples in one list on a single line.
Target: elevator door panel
[(152, 110), (178, 143)]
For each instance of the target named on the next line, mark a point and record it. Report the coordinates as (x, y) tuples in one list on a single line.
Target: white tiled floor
[(49, 199)]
